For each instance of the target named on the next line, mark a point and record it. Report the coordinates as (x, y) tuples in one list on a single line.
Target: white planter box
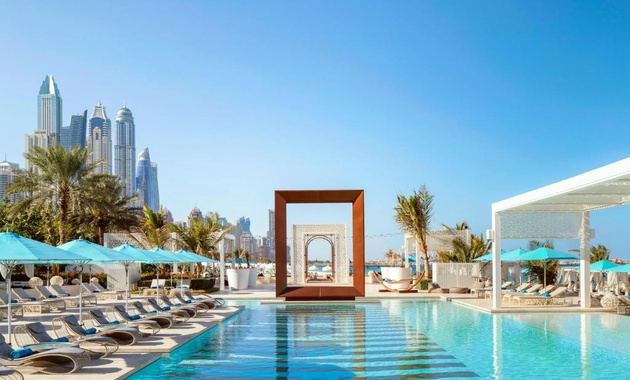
[(253, 275), (238, 279)]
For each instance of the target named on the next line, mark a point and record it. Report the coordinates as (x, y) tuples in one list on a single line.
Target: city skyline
[(479, 101)]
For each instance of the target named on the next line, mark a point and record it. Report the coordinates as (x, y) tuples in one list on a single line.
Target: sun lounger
[(180, 315), (554, 298), (192, 311), (508, 297), (199, 304), (51, 361), (217, 301), (99, 320), (10, 373), (32, 305), (35, 333), (61, 293), (175, 317), (164, 321), (623, 307), (102, 294), (402, 286), (69, 326)]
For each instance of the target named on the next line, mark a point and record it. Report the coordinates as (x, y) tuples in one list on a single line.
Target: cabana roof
[(607, 186)]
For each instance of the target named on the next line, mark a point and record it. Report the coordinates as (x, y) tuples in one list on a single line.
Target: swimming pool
[(400, 338)]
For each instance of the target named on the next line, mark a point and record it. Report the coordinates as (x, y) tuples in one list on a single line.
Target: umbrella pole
[(157, 292), (172, 266), (47, 274), (181, 282), (80, 296), (127, 287), (9, 305)]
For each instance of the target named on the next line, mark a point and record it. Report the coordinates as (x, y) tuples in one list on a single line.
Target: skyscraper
[(147, 184), (49, 120), (73, 136), (125, 150), (49, 105), (6, 176), (40, 139), (100, 140)]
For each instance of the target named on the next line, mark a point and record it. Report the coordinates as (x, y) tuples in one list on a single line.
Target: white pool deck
[(130, 359)]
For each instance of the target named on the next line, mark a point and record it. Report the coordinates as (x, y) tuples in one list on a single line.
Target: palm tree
[(413, 215), (154, 230), (201, 237), (105, 209), (59, 185), (392, 257), (599, 253), (466, 253)]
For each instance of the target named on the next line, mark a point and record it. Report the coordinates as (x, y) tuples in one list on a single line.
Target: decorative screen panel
[(437, 240), (540, 225), (338, 234)]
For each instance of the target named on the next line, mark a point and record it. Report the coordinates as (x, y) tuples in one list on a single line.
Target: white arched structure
[(560, 211), (335, 234)]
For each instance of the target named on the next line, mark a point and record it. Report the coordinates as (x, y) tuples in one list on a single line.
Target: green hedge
[(147, 283), (202, 284)]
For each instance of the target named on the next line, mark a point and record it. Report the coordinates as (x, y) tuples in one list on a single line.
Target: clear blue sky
[(480, 100)]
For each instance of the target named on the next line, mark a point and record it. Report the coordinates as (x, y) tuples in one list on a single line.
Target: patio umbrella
[(514, 255), (16, 249), (100, 255), (171, 256), (603, 265), (620, 268), (145, 256), (488, 257), (545, 254), (190, 257)]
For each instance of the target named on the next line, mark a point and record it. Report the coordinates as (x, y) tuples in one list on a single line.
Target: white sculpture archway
[(335, 234)]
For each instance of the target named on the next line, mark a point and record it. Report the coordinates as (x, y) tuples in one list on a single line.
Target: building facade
[(74, 135), (99, 140), (6, 177), (40, 139), (125, 151), (146, 184), (49, 110)]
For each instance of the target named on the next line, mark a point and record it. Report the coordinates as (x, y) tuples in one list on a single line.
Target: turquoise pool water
[(402, 339)]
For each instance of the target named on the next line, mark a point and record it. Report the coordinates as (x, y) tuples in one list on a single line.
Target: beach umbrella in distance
[(100, 255), (143, 256), (545, 254), (16, 249), (601, 266), (169, 255), (190, 257)]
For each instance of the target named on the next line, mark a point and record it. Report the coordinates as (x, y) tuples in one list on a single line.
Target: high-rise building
[(49, 106), (148, 193), (271, 235), (40, 139), (125, 150), (6, 177), (100, 140), (155, 187), (195, 214), (73, 135), (49, 119)]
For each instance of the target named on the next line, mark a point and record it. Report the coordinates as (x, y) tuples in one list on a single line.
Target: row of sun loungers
[(74, 345)]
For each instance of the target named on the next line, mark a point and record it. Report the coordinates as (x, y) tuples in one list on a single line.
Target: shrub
[(202, 284), (424, 284)]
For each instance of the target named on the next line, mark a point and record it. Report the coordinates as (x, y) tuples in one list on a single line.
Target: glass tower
[(73, 136), (49, 104), (125, 150), (147, 183), (100, 140)]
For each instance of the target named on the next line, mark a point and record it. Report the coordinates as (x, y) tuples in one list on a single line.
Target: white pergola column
[(585, 260), (496, 261), (221, 270)]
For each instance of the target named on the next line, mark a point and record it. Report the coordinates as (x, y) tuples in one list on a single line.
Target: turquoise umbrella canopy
[(620, 268), (514, 255), (603, 265), (546, 254), (16, 249), (97, 253), (488, 257)]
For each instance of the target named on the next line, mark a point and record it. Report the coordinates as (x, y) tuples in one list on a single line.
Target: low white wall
[(456, 275)]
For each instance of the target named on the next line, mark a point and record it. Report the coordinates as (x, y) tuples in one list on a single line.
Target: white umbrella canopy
[(16, 249)]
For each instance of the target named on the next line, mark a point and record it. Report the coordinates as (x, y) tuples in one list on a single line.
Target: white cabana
[(560, 211)]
